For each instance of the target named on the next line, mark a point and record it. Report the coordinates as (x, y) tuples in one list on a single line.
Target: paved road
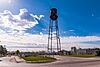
[(61, 62)]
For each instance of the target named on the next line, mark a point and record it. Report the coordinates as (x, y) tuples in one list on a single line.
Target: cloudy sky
[(24, 23)]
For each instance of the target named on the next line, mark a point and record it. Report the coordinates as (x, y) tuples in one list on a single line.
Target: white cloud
[(9, 1), (71, 30), (68, 42), (42, 40), (5, 2), (38, 17), (75, 39), (13, 24)]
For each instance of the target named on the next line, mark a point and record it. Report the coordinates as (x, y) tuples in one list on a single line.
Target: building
[(73, 50), (88, 51)]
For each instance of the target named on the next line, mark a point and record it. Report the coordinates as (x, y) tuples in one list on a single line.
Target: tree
[(17, 52), (3, 50), (98, 53)]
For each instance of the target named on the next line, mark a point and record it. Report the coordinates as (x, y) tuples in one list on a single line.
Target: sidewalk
[(14, 59), (18, 59)]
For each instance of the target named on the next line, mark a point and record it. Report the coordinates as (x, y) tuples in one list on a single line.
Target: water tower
[(53, 35)]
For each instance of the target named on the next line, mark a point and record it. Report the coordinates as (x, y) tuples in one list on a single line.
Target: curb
[(40, 61), (78, 62)]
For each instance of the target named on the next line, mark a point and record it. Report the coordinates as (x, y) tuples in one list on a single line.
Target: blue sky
[(78, 19)]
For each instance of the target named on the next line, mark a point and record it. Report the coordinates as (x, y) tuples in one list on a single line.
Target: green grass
[(83, 56), (38, 59)]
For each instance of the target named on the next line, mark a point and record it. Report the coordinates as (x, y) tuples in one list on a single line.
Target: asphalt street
[(61, 62)]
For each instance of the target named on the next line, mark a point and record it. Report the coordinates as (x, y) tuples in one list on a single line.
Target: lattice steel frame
[(53, 26)]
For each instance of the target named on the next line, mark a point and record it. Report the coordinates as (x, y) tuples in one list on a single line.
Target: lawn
[(83, 56), (38, 59)]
